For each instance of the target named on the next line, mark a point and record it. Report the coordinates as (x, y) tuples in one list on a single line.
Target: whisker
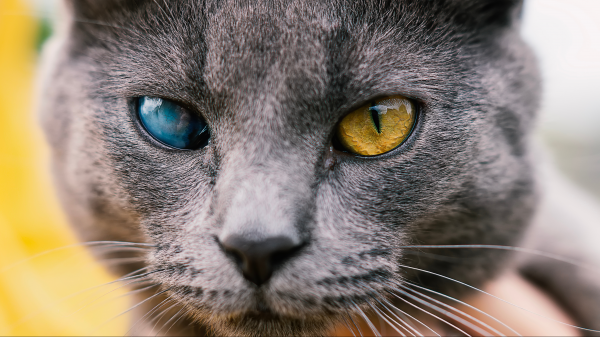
[(110, 249), (132, 274), (509, 248), (393, 308), (177, 320), (129, 276), (133, 307), (94, 303), (140, 290), (75, 245), (355, 325), (102, 259), (451, 315), (61, 300), (466, 304), (150, 312), (382, 324), (382, 314), (367, 287), (402, 323), (427, 312), (123, 260), (505, 301), (367, 320), (347, 324), (158, 317)]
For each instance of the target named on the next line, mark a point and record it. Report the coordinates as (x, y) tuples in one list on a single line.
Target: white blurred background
[(566, 37), (565, 34)]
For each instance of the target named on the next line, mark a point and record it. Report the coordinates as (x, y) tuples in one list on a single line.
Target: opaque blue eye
[(172, 124)]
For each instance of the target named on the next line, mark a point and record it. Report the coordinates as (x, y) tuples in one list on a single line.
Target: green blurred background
[(63, 292)]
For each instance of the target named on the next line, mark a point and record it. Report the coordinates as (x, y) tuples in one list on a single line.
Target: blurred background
[(62, 291), (51, 286)]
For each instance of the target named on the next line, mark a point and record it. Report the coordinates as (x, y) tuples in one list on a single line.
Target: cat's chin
[(270, 324)]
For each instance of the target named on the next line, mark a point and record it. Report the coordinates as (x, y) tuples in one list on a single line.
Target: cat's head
[(269, 224)]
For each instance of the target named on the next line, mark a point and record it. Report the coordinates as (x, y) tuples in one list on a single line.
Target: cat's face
[(273, 80)]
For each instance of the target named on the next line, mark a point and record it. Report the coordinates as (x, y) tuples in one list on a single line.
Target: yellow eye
[(378, 127)]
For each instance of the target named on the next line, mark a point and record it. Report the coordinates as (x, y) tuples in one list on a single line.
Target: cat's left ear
[(481, 14)]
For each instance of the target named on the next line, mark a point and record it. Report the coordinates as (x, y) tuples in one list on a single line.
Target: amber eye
[(377, 127)]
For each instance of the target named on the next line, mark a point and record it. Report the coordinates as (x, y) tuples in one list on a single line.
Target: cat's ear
[(487, 13)]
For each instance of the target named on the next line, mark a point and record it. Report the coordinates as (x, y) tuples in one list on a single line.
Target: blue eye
[(172, 124)]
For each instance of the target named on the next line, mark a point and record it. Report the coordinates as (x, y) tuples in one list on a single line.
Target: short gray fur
[(272, 78)]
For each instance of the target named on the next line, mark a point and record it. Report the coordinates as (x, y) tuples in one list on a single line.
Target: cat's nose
[(259, 259)]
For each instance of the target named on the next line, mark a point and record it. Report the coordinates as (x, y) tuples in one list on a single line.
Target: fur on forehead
[(181, 26), (471, 14)]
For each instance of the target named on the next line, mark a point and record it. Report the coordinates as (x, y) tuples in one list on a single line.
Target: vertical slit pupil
[(375, 117)]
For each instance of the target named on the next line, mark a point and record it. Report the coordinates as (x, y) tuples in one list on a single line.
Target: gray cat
[(222, 135)]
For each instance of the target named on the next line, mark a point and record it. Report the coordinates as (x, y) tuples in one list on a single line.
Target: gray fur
[(272, 78)]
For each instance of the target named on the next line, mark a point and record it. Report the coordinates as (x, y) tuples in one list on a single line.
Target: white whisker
[(175, 322), (123, 261), (367, 320), (364, 285), (509, 248), (456, 318), (63, 299), (140, 290), (389, 322), (150, 312), (390, 310), (355, 325), (94, 303), (498, 298), (159, 316), (133, 307), (347, 324), (429, 313), (466, 304), (88, 244)]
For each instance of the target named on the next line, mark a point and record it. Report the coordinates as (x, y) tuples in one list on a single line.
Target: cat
[(256, 216)]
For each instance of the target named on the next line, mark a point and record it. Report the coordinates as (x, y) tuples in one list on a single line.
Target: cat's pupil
[(374, 109)]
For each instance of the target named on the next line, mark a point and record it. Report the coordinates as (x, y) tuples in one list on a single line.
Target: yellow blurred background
[(39, 295)]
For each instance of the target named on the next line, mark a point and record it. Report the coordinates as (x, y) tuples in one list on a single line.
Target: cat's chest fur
[(273, 80)]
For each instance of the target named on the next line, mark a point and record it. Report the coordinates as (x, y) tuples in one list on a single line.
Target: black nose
[(259, 259)]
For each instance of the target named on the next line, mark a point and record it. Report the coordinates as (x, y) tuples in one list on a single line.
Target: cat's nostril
[(259, 259)]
